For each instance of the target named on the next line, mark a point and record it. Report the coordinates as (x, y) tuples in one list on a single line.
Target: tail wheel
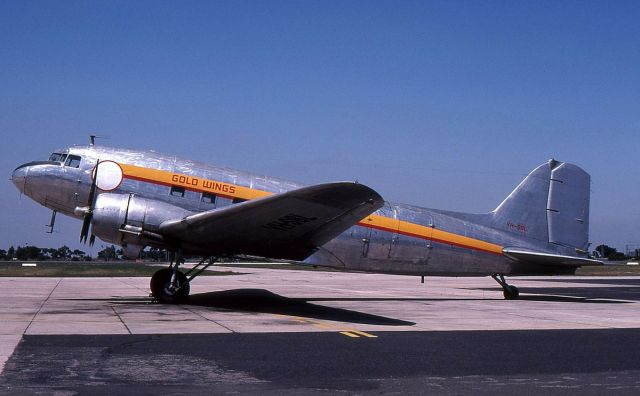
[(510, 292), (162, 289)]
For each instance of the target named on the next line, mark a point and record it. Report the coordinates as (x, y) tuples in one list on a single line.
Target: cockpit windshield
[(73, 161), (58, 157), (69, 160)]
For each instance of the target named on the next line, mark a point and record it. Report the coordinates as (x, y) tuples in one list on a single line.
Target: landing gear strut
[(170, 285), (510, 292)]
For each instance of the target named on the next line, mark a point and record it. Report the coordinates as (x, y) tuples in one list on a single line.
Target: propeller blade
[(86, 221), (85, 228)]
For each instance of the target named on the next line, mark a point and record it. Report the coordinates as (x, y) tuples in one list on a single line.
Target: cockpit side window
[(57, 157), (73, 161)]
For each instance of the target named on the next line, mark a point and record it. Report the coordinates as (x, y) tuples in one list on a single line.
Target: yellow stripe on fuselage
[(430, 233), (193, 183), (234, 191)]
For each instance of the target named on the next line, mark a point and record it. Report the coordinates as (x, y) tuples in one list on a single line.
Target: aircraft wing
[(290, 225), (548, 258)]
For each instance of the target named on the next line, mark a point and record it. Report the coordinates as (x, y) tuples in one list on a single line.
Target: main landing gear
[(510, 292), (172, 286)]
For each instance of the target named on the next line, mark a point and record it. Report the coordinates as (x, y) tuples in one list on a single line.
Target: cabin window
[(73, 161), (177, 191), (208, 198), (222, 202)]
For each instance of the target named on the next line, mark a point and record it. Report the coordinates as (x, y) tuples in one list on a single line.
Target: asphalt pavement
[(300, 332)]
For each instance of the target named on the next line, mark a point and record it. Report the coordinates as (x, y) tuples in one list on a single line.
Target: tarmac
[(287, 332)]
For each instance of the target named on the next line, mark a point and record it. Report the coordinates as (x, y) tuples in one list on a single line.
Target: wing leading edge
[(290, 225)]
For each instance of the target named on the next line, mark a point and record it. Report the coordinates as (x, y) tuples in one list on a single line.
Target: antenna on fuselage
[(92, 139)]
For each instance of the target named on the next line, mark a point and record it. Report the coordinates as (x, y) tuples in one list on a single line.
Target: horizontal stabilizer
[(548, 258)]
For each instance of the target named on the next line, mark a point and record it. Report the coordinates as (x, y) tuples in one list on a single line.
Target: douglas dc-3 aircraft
[(139, 198)]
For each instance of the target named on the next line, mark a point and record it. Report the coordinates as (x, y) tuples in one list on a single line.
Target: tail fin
[(551, 204)]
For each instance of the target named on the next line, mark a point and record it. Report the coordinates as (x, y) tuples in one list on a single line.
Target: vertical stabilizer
[(551, 205), (524, 211)]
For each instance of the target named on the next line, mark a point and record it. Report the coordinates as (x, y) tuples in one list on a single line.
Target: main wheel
[(162, 290), (511, 293)]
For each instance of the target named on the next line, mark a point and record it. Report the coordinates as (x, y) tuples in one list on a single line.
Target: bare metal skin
[(142, 198)]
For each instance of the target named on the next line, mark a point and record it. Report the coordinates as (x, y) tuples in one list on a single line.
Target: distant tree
[(64, 253), (11, 253), (49, 253), (154, 254), (21, 254), (77, 255), (617, 256), (605, 251), (609, 253), (28, 253), (108, 253)]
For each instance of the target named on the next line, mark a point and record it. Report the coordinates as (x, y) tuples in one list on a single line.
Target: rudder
[(568, 206)]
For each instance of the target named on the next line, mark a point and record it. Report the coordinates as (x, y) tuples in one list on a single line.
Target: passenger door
[(412, 242), (377, 241)]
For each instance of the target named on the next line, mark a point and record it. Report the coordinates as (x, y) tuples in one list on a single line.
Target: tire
[(511, 293), (159, 286)]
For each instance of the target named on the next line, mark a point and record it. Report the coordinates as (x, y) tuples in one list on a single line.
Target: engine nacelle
[(131, 221)]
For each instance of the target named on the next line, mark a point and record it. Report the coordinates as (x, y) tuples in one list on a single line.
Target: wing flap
[(548, 259), (290, 225)]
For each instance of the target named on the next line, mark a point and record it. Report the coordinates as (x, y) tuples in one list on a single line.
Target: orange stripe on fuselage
[(193, 183), (430, 233), (234, 191)]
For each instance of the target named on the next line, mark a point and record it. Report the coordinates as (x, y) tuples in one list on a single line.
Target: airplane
[(137, 199)]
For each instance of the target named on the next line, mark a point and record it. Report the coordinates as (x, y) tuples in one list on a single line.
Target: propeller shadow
[(264, 301)]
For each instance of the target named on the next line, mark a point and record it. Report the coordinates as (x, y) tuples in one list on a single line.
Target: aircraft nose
[(19, 176)]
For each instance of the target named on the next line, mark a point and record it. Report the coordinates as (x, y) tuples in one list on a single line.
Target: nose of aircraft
[(19, 177)]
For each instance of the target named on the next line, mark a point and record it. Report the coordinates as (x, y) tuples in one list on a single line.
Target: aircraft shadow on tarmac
[(590, 295), (264, 301)]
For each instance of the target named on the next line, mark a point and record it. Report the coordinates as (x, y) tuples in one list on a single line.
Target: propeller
[(88, 213)]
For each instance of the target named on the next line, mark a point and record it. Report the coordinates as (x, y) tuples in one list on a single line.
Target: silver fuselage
[(450, 250)]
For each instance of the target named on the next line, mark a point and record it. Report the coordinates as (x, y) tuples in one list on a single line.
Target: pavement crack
[(134, 285), (207, 319), (33, 318), (120, 319)]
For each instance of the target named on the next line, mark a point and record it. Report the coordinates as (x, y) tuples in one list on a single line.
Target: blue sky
[(438, 104)]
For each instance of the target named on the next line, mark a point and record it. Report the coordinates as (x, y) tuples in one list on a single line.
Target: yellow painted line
[(322, 325), (327, 326), (233, 191), (362, 333)]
